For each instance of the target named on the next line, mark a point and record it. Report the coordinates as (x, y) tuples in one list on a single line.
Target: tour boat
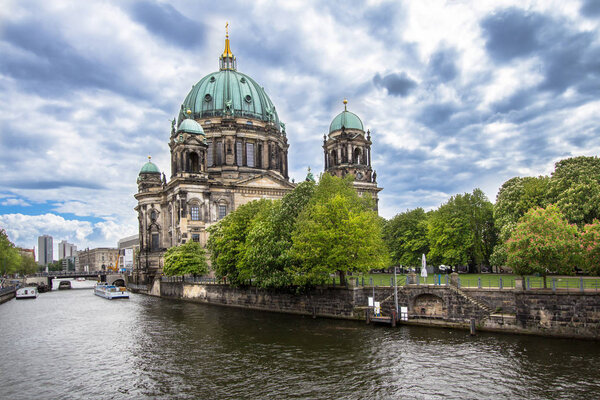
[(110, 291), (29, 292)]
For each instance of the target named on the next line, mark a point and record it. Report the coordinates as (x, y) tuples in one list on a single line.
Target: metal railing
[(7, 289)]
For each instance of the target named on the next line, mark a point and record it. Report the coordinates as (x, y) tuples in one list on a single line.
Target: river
[(74, 345)]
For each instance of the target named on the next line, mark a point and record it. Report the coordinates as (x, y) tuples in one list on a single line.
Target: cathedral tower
[(347, 150)]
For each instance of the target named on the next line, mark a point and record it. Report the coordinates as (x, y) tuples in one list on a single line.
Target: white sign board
[(370, 302), (404, 313), (128, 259)]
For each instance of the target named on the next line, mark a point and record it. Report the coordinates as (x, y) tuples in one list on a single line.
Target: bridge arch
[(429, 305), (118, 282)]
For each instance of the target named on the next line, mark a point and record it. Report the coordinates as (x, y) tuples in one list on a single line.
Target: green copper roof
[(149, 168), (190, 126), (228, 91), (348, 120)]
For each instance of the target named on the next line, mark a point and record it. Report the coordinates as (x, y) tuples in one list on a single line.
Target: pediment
[(266, 181)]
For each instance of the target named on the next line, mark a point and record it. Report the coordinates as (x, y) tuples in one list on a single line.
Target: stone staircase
[(487, 311)]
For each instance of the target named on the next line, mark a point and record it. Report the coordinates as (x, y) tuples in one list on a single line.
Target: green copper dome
[(346, 119), (149, 168), (191, 126), (228, 92)]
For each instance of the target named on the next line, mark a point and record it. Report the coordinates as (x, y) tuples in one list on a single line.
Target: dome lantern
[(227, 60)]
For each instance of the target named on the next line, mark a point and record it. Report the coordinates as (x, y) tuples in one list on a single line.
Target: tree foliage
[(336, 233), (10, 259), (188, 258), (462, 231), (227, 240), (544, 242), (406, 237), (267, 257), (590, 245), (276, 243), (575, 189)]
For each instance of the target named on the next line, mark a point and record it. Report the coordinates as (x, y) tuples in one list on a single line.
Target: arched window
[(222, 210), (194, 162), (195, 212), (334, 157), (357, 156)]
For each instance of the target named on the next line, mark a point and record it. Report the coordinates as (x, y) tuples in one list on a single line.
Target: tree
[(575, 188), (28, 265), (10, 259), (406, 237), (188, 258), (543, 242), (226, 242), (337, 232), (462, 231), (590, 244), (266, 257)]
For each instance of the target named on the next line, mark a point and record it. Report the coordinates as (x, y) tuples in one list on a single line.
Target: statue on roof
[(309, 176)]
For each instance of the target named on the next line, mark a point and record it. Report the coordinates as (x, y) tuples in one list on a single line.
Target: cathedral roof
[(149, 168), (228, 92), (346, 119), (190, 126)]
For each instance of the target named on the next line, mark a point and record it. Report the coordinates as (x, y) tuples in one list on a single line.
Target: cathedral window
[(250, 154), (155, 241), (259, 155), (219, 157), (238, 153), (195, 237), (209, 156), (195, 213), (222, 211)]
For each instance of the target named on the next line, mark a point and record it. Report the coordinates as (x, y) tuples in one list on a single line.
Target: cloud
[(168, 23), (442, 64), (12, 201), (396, 84), (24, 230), (512, 33), (590, 8)]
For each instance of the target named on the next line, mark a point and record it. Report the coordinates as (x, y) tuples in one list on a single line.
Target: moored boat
[(110, 291), (29, 292)]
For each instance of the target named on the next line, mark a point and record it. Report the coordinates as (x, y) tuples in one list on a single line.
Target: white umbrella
[(423, 266)]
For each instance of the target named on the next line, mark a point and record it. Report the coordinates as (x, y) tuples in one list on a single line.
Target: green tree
[(406, 237), (188, 258), (266, 257), (28, 266), (590, 243), (462, 231), (543, 242), (10, 259), (575, 188), (227, 240), (338, 232)]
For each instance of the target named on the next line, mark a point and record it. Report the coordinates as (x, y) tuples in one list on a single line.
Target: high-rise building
[(45, 252), (66, 250)]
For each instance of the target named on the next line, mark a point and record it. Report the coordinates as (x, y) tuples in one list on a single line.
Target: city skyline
[(457, 95)]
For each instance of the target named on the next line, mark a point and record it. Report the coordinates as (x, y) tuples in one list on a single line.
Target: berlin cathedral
[(228, 147)]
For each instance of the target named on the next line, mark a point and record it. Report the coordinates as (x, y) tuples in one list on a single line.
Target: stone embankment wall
[(6, 295), (540, 312)]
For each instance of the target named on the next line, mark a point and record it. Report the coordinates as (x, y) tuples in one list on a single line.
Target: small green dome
[(190, 126), (149, 168), (346, 119)]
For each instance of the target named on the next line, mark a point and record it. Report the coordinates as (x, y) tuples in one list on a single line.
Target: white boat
[(29, 292), (80, 279), (110, 291)]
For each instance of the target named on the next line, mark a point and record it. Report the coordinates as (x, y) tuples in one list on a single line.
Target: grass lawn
[(487, 280)]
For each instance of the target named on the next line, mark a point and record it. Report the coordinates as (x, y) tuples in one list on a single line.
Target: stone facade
[(99, 259)]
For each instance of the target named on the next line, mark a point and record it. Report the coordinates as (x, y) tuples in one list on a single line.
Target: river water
[(74, 345)]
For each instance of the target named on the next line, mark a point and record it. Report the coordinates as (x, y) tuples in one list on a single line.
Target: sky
[(457, 95)]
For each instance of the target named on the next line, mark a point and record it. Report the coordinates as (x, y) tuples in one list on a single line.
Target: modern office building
[(45, 252), (66, 250)]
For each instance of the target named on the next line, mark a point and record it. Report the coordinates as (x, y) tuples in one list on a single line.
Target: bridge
[(111, 277)]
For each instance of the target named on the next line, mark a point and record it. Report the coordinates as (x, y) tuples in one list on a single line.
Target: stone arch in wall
[(118, 282), (194, 161), (429, 305), (357, 155)]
